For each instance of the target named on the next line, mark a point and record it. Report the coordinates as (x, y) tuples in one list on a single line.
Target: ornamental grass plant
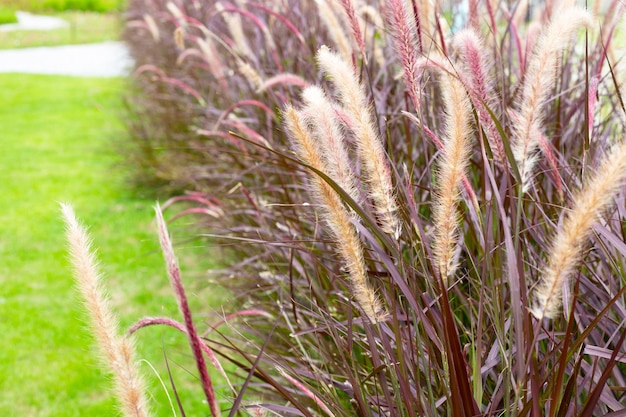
[(421, 208)]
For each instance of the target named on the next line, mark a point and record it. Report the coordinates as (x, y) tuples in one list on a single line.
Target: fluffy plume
[(233, 21), (480, 86), (336, 215), (451, 170), (152, 27), (327, 130), (250, 74), (567, 246), (176, 12), (540, 77), (369, 144), (284, 79), (473, 15), (401, 27), (335, 29), (212, 57), (118, 351), (349, 9)]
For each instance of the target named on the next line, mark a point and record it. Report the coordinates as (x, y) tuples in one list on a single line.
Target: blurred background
[(60, 138)]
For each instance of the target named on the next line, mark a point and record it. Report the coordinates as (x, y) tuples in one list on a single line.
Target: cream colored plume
[(538, 83), (567, 246), (368, 141), (117, 351)]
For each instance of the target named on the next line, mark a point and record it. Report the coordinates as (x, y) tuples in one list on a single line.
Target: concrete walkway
[(106, 59), (29, 21)]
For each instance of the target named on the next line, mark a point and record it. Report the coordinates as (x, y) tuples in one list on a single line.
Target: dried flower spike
[(539, 79), (369, 144), (568, 244), (118, 351), (451, 170), (336, 215)]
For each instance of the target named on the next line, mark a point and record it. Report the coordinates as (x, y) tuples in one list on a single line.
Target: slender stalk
[(194, 339)]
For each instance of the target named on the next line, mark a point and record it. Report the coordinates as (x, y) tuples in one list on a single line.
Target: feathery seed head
[(327, 131), (369, 144), (451, 170), (282, 79), (539, 78), (334, 27), (235, 27), (343, 77), (350, 10), (480, 86), (118, 351), (403, 30), (250, 74), (569, 242), (336, 215)]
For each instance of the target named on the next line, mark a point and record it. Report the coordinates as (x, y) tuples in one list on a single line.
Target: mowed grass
[(57, 135), (83, 27)]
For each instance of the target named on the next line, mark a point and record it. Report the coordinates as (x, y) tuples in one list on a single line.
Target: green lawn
[(56, 134), (84, 27)]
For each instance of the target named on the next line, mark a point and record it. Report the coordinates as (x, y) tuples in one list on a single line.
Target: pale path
[(29, 21), (106, 59)]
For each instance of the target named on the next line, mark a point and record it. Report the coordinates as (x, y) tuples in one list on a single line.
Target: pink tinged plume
[(348, 7), (405, 43), (480, 86), (540, 77)]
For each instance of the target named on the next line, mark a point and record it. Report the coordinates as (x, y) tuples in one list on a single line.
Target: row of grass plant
[(421, 220)]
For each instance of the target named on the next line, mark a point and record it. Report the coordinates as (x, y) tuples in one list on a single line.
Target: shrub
[(100, 6), (7, 15), (430, 221)]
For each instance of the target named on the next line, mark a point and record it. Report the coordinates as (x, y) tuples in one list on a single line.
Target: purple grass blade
[(177, 285)]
